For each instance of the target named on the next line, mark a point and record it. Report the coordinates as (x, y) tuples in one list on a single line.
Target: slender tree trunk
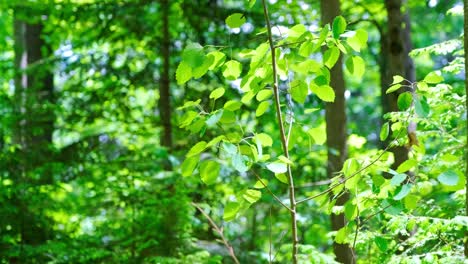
[(397, 51), (335, 115), (33, 127), (164, 85), (465, 12)]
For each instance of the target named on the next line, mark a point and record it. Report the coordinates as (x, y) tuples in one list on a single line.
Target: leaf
[(397, 179), (341, 235), (350, 166), (183, 73), (381, 243), (296, 32), (330, 57), (215, 141), (264, 94), (322, 37), (209, 171), (232, 70), (264, 139), (393, 88), (311, 110), (421, 106), (285, 160), (339, 26), (238, 163), (324, 92), (232, 105), (404, 191), (251, 196), (281, 177), (299, 91), (355, 66), (189, 104), (197, 149), (188, 166), (318, 134), (193, 55), (277, 167), (362, 35), (251, 3), (230, 211), (433, 78), (350, 210), (449, 178), (218, 59), (397, 79), (260, 185), (217, 93), (235, 20), (384, 131), (202, 69), (406, 165), (262, 108), (404, 101), (214, 118)]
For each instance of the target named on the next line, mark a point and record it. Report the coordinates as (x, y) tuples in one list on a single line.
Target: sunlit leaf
[(403, 192), (209, 171), (404, 101), (277, 167), (339, 26), (183, 73), (299, 91), (449, 178), (232, 70), (217, 93), (324, 92), (189, 165), (384, 131), (230, 211), (407, 165), (262, 108), (235, 20), (330, 57)]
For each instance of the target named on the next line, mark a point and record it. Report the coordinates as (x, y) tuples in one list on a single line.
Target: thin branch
[(269, 190), (313, 184), (220, 233), (292, 197)]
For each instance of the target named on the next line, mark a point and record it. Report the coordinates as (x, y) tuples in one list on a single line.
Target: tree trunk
[(33, 127), (465, 12), (164, 85), (397, 51), (335, 115)]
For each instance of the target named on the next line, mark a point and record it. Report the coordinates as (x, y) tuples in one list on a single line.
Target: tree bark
[(335, 115), (164, 85), (398, 46), (33, 127)]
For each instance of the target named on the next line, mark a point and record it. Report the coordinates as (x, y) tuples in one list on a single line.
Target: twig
[(269, 190), (292, 197), (220, 233)]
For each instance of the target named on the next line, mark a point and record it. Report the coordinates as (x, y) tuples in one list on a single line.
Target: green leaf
[(262, 108), (339, 26), (381, 243), (433, 78), (189, 104), (259, 184), (218, 59), (397, 79), (197, 149), (202, 69), (407, 165), (324, 92), (318, 134), (421, 106), (235, 20), (277, 167), (281, 177), (193, 55), (251, 3), (393, 88), (188, 166), (299, 91), (264, 94), (230, 211), (183, 73), (232, 70), (323, 36), (214, 118), (350, 166), (238, 163), (330, 57), (296, 32), (217, 93), (384, 132), (285, 160), (404, 191), (397, 179), (362, 35), (341, 235), (350, 210), (215, 141), (311, 110), (449, 178), (232, 105), (355, 66), (264, 139), (209, 171), (404, 101), (251, 196)]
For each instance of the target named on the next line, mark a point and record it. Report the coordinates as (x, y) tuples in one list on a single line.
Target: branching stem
[(284, 141)]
